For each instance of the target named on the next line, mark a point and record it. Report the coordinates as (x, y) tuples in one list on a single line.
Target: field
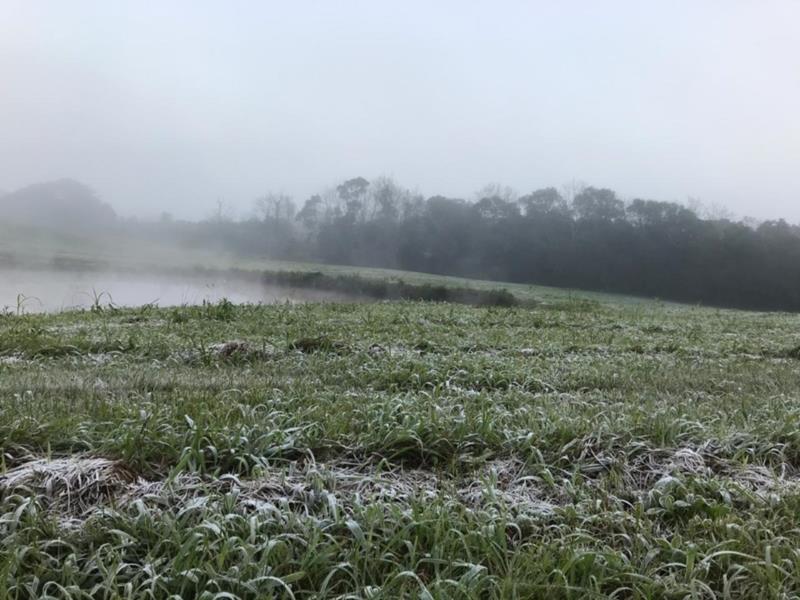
[(572, 449)]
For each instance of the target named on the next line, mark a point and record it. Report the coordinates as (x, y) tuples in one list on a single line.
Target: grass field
[(567, 450)]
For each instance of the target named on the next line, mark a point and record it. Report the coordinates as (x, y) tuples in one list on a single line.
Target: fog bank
[(175, 106)]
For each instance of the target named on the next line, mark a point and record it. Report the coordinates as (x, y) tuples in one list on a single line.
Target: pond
[(57, 290)]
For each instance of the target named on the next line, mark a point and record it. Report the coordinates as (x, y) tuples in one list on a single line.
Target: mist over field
[(378, 300), (576, 237), (616, 148)]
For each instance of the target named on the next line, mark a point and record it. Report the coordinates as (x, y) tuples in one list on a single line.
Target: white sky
[(173, 105)]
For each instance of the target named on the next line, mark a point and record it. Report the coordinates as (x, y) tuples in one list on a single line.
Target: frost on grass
[(71, 485), (13, 359), (75, 487), (646, 470)]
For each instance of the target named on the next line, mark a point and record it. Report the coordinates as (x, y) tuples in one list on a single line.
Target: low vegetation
[(389, 289), (400, 449)]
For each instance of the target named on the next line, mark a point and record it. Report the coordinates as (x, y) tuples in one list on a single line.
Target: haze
[(173, 106)]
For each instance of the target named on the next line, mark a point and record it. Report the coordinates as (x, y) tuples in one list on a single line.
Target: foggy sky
[(174, 105)]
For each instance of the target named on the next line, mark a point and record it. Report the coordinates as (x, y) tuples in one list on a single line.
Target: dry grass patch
[(71, 485)]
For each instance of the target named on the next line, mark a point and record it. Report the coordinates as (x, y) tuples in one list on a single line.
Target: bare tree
[(222, 213), (275, 206), (498, 191), (572, 188)]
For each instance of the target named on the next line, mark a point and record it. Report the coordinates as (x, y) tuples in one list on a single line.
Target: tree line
[(588, 239)]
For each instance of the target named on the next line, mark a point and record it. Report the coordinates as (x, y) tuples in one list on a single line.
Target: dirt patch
[(310, 345), (240, 349), (235, 351)]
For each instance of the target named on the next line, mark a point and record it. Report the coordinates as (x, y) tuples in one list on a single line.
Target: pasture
[(567, 449)]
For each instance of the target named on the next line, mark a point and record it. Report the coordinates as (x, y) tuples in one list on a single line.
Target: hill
[(63, 204)]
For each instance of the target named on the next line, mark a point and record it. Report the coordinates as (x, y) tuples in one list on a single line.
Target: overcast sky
[(173, 105)]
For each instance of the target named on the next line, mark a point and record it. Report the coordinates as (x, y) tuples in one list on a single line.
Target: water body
[(54, 290)]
